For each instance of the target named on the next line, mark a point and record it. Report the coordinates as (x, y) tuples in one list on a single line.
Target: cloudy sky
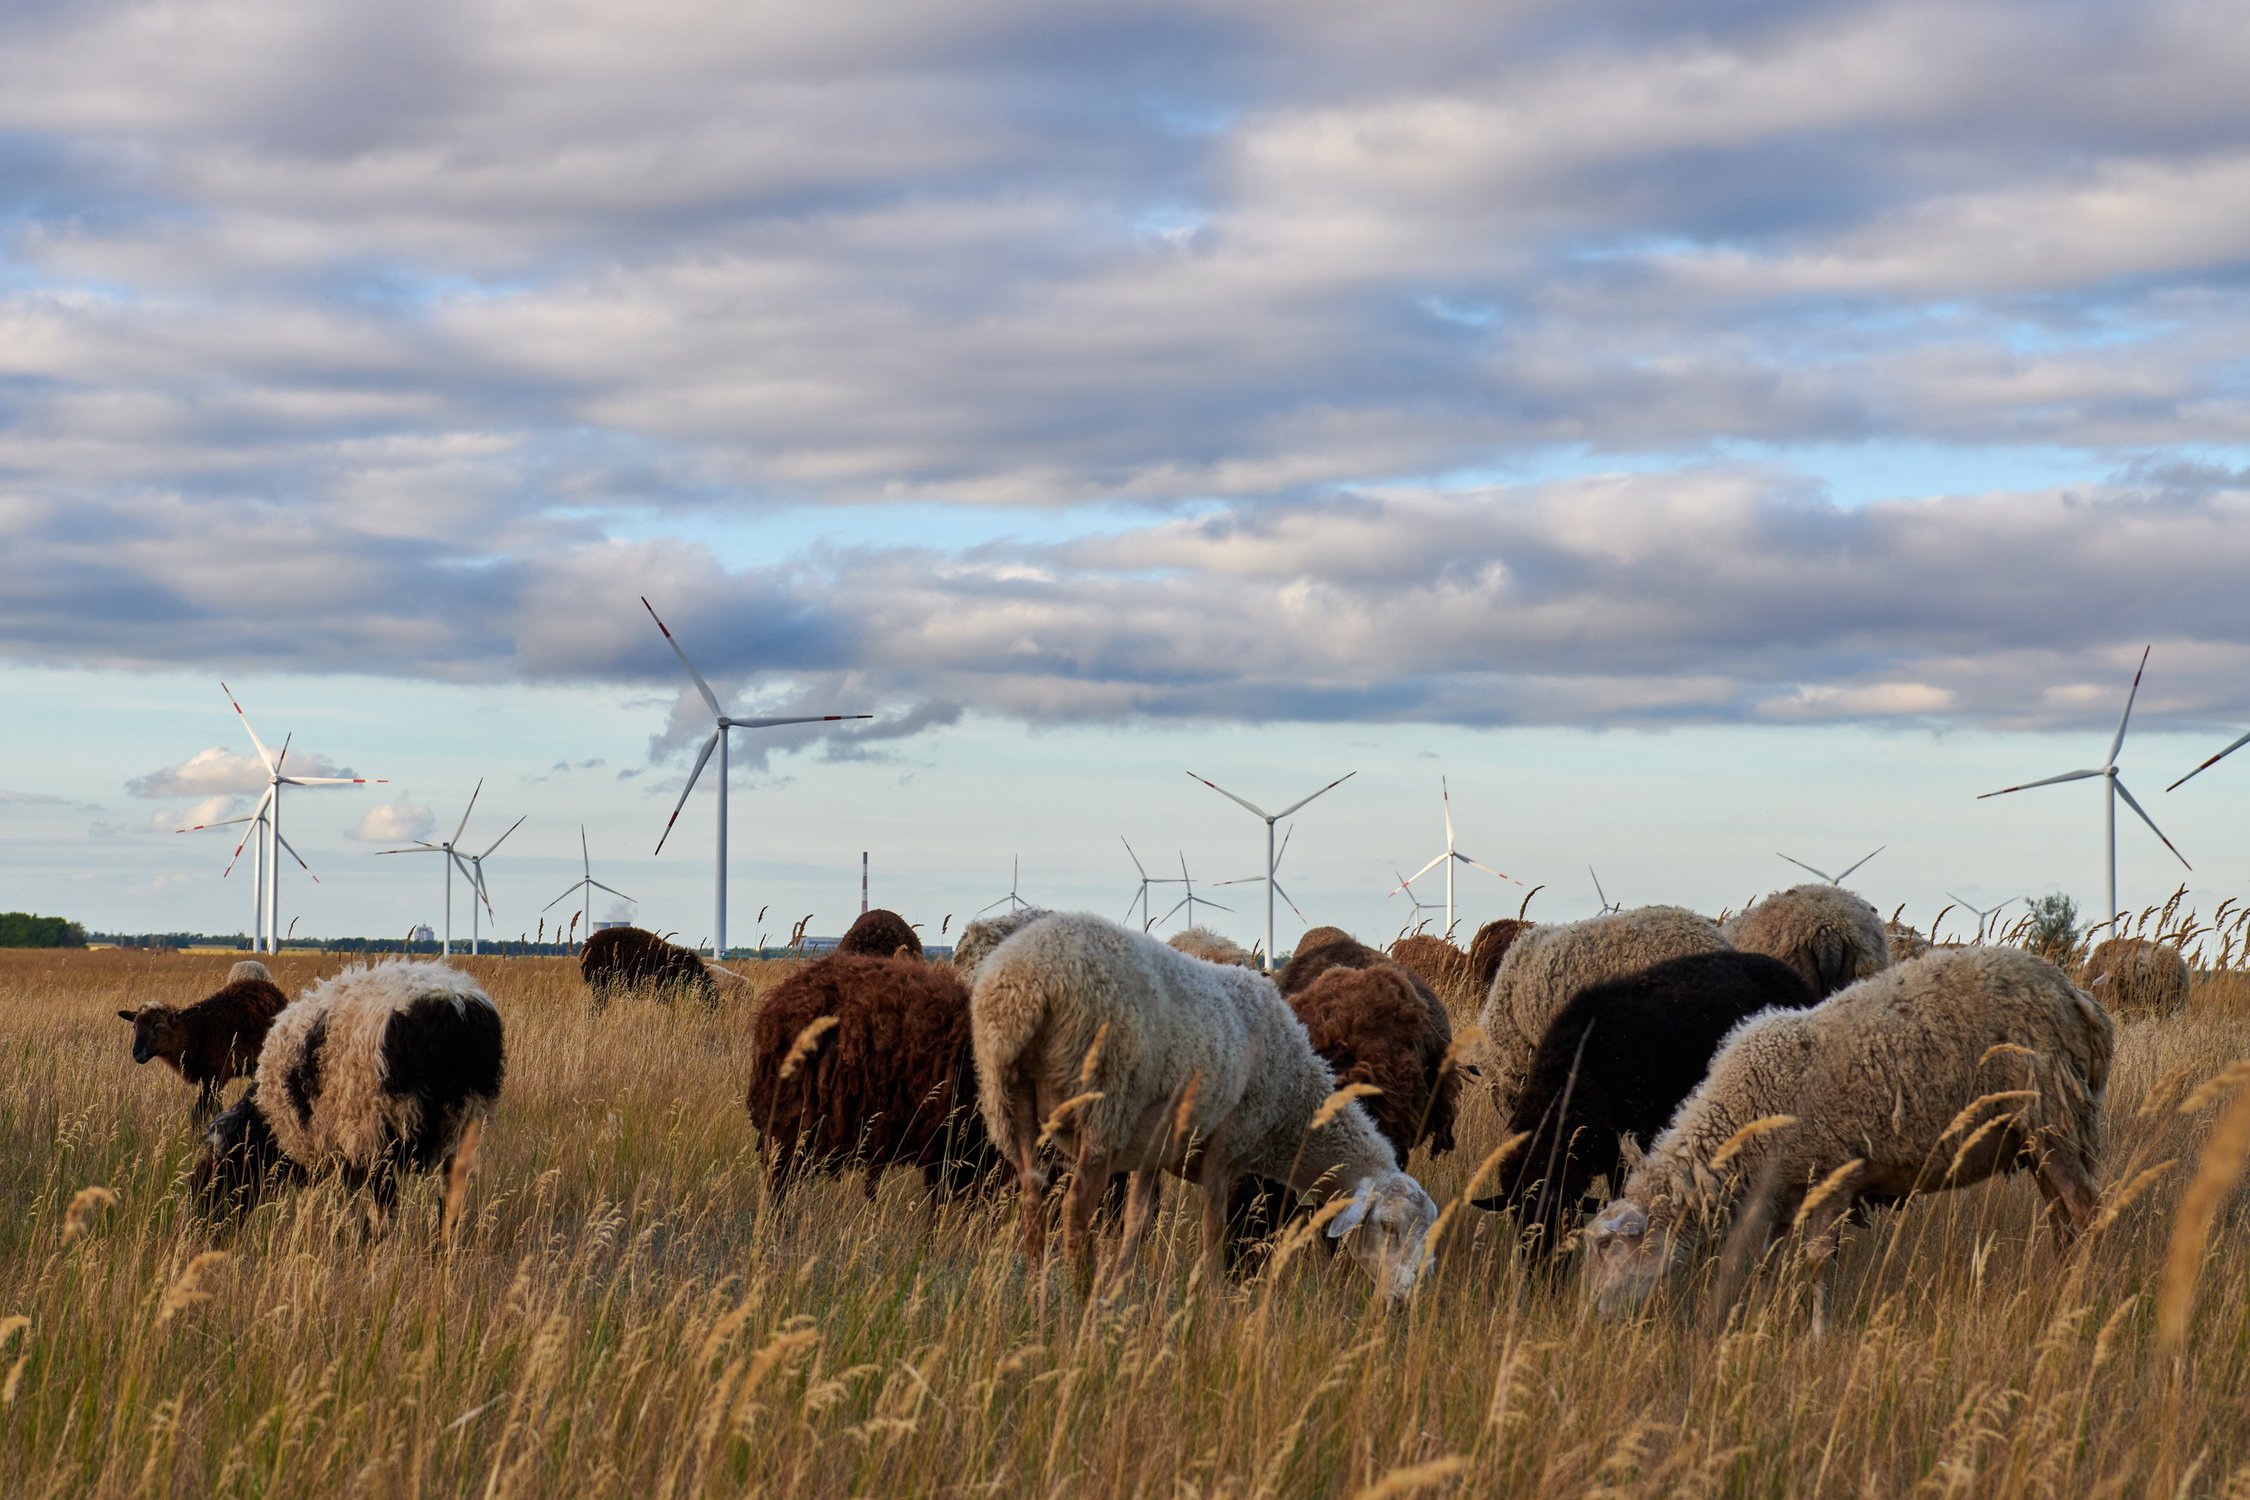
[(1695, 431)]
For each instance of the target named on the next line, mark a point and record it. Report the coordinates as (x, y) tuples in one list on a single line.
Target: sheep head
[(1387, 1231), (156, 1032), (239, 1154), (1626, 1258)]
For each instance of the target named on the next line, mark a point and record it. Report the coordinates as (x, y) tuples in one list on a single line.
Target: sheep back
[(1436, 962), (1827, 934), (618, 961), (1490, 945), (214, 1040), (2137, 977), (980, 937), (1311, 960), (893, 1082), (1203, 943), (1382, 1026), (880, 934), (1547, 965)]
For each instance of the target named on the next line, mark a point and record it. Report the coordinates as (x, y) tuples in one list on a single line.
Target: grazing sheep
[(630, 960), (1547, 965), (213, 1041), (1436, 962), (2137, 977), (375, 1072), (1134, 1057), (980, 937), (1944, 1071), (1616, 1061), (248, 968), (1490, 945), (890, 1080), (879, 934), (1311, 960), (1203, 943), (1824, 932), (1315, 936)]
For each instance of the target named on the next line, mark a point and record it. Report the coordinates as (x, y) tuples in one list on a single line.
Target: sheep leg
[(2071, 1197), (1031, 1182), (1088, 1180), (1821, 1228), (1140, 1213)]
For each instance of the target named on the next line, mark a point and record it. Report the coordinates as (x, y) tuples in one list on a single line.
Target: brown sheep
[(880, 934), (1212, 948), (1436, 962), (627, 960), (2137, 977), (1490, 945), (211, 1042), (1317, 936), (1311, 960), (891, 1080)]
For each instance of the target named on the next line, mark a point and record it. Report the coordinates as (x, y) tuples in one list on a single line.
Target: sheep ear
[(125, 1015), (1349, 1220)]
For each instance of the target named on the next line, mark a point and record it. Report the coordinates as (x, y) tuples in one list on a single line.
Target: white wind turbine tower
[(269, 811), (454, 858), (1191, 900), (254, 839), (586, 884), (718, 742), (2107, 771), (1273, 859), (1449, 857), (1140, 896), (1984, 914), (1840, 878)]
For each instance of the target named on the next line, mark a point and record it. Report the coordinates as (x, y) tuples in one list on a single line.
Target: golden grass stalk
[(1975, 1107), (457, 1175), (1732, 1146), (9, 1328), (1827, 1188), (806, 1041), (2225, 1081), (187, 1290), (1414, 1478), (2215, 1174), (1093, 1057), (1063, 1112), (1336, 1103), (79, 1217)]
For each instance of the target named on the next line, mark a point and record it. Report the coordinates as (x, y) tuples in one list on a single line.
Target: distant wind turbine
[(1449, 857), (1601, 898), (1406, 885), (1012, 901), (1140, 896), (2107, 771), (254, 839), (1273, 859), (453, 859), (1984, 914), (1191, 900), (587, 884), (484, 892), (269, 808), (718, 742), (1837, 879)]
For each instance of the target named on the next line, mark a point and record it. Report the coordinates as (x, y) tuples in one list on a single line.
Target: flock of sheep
[(1785, 1070)]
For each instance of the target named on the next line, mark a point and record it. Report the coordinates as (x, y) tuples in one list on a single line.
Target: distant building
[(607, 926), (421, 933)]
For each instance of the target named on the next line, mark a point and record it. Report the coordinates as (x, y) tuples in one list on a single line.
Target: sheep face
[(1626, 1258), (155, 1032), (239, 1155), (1387, 1231)]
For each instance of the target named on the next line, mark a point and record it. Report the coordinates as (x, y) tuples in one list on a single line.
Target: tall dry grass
[(613, 1312)]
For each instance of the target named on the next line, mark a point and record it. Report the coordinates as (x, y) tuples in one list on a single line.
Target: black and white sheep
[(1827, 934), (213, 1041), (1134, 1057), (864, 1062), (1616, 1062), (370, 1074), (1948, 1069)]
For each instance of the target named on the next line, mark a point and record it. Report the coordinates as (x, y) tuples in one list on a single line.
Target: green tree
[(21, 929), (2053, 933)]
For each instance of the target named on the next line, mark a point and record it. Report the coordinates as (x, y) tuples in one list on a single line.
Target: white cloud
[(399, 822), (215, 771), (204, 814)]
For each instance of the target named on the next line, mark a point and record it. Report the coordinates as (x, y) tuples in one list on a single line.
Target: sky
[(1693, 432)]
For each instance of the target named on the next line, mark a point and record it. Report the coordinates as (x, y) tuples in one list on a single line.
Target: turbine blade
[(264, 759), (1129, 854), (806, 719), (585, 859), (709, 745), (1231, 797), (2151, 822), (2214, 760), (299, 858), (701, 686), (1284, 895), (1215, 906), (614, 891), (2118, 743), (2045, 781), (1477, 865), (1175, 911), (1839, 880), (283, 758), (496, 843), (1446, 793), (1283, 852), (331, 780), (1800, 864), (1324, 791), (575, 887), (222, 823), (472, 807), (1407, 880)]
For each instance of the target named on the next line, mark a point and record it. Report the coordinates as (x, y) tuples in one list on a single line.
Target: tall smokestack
[(863, 882)]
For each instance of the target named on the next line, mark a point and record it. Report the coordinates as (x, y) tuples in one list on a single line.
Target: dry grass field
[(617, 1313)]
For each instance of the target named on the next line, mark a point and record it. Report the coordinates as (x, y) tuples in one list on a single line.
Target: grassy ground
[(620, 1315)]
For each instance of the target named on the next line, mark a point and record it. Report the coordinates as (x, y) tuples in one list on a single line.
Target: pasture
[(615, 1311)]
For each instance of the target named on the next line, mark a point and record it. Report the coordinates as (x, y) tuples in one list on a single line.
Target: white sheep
[(979, 938), (371, 1073), (1827, 934), (1136, 1058), (1936, 1074), (1547, 965)]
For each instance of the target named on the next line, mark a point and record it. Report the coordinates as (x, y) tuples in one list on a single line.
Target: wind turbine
[(254, 838), (1603, 900), (1191, 900), (1406, 884), (1012, 901), (718, 742), (269, 809), (587, 884), (1449, 857), (1837, 879), (476, 875), (1272, 859), (1140, 897), (1984, 913), (2214, 760), (2107, 771)]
